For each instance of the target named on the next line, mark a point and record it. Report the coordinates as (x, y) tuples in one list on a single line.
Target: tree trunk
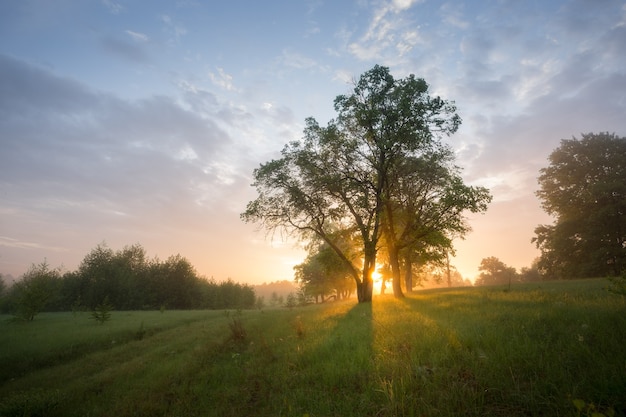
[(395, 271), (364, 291), (448, 269), (408, 274), (365, 287)]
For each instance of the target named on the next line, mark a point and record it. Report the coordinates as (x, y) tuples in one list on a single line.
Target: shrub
[(38, 286), (102, 312)]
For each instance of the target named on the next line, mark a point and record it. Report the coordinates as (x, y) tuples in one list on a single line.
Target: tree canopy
[(584, 188), (352, 175)]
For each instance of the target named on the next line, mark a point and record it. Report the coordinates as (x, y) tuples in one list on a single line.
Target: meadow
[(543, 349)]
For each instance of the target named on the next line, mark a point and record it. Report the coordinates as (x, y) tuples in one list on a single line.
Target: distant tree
[(3, 294), (323, 274), (292, 300), (437, 275), (340, 176), (532, 273), (97, 277), (260, 303), (274, 301), (495, 272), (38, 286), (584, 188), (180, 287)]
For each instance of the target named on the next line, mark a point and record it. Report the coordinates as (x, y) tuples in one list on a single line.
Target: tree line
[(125, 279)]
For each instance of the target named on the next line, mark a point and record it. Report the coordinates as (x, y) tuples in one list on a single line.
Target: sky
[(140, 122)]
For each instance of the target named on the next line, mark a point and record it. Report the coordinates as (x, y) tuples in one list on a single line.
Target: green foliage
[(471, 352), (584, 187), (3, 286), (102, 313), (35, 290)]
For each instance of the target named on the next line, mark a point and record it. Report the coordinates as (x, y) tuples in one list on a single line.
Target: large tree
[(584, 188), (339, 176)]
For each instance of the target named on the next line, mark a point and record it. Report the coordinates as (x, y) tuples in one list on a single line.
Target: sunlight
[(377, 277)]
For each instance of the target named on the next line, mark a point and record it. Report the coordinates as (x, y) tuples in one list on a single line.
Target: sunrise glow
[(145, 117)]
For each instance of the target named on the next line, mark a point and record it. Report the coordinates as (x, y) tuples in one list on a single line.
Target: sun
[(376, 276)]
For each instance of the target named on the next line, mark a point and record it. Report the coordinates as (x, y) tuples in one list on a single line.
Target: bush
[(38, 286)]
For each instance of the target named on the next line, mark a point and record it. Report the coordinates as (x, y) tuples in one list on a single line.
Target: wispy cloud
[(222, 79), (137, 36), (19, 244), (388, 35), (113, 6)]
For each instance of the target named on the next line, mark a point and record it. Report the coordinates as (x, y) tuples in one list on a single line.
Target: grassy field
[(546, 349)]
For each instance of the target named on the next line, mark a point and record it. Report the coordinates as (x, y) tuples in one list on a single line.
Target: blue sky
[(141, 121)]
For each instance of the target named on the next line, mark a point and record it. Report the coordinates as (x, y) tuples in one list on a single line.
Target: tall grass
[(531, 351), (55, 338)]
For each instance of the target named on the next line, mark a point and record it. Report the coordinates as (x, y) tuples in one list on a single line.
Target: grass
[(537, 350)]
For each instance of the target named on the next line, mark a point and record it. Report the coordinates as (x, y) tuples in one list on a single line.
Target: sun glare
[(376, 276)]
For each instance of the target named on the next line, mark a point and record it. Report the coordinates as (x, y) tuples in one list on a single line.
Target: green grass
[(531, 351)]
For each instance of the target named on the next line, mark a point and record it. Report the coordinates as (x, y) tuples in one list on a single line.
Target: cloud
[(15, 243), (137, 36), (222, 79), (113, 6), (92, 156), (389, 36)]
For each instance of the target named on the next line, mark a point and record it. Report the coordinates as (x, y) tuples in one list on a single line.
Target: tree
[(339, 177), (532, 273), (495, 272), (96, 276), (424, 208), (38, 286), (584, 188), (323, 274)]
